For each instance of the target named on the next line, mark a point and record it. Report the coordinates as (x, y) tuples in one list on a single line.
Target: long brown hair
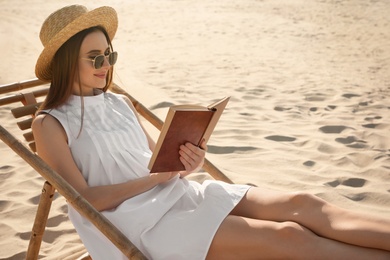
[(65, 69)]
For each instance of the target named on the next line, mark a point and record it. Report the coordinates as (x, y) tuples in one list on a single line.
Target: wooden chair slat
[(17, 86), (11, 99), (33, 147), (25, 124), (19, 97), (29, 136), (25, 111)]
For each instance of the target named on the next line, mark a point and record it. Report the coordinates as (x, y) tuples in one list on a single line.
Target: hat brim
[(103, 16)]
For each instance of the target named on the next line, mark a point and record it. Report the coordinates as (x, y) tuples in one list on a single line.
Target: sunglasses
[(98, 61)]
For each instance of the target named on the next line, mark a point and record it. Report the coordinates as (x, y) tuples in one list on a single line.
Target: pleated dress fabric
[(174, 220)]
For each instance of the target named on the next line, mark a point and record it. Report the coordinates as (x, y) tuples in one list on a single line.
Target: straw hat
[(66, 22)]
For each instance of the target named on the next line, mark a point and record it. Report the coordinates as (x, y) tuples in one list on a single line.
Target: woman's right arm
[(52, 147)]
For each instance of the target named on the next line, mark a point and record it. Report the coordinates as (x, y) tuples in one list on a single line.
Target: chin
[(101, 83)]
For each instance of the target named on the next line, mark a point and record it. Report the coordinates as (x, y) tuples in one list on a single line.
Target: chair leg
[(40, 221)]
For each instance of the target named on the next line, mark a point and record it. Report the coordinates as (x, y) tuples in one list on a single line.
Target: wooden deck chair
[(28, 93)]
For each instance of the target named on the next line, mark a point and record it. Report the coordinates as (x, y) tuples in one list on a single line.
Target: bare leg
[(246, 238), (322, 218)]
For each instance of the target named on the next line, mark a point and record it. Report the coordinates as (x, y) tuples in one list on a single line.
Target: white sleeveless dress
[(174, 220)]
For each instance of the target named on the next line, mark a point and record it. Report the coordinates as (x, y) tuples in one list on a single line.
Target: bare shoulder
[(47, 125), (44, 121)]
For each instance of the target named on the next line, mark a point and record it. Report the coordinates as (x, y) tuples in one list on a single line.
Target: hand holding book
[(184, 123), (192, 157)]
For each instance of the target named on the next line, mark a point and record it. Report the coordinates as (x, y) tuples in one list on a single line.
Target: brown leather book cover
[(184, 123)]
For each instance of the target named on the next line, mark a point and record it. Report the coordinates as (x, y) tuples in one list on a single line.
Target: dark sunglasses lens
[(99, 60), (112, 58)]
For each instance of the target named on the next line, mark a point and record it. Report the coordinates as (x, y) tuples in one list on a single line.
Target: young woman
[(94, 139)]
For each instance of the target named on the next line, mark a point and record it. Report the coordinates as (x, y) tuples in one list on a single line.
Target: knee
[(291, 231), (302, 201), (296, 240), (303, 197)]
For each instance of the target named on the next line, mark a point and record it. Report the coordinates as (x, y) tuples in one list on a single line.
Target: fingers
[(192, 156), (191, 153)]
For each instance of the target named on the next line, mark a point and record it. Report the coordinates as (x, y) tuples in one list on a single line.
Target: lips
[(101, 75)]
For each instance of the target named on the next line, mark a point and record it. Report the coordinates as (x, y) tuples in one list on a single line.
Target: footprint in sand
[(350, 95), (352, 141), (280, 138), (347, 140), (350, 182), (358, 145), (369, 118), (315, 97), (309, 163), (280, 108), (354, 182), (330, 107), (356, 197), (370, 125), (333, 129), (373, 125), (228, 149), (246, 114)]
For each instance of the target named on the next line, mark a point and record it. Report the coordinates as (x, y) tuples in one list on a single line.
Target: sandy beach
[(309, 83)]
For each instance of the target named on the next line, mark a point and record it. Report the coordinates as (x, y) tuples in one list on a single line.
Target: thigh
[(267, 204), (245, 238), (312, 212)]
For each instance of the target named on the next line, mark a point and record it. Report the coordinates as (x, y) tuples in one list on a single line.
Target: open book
[(184, 123)]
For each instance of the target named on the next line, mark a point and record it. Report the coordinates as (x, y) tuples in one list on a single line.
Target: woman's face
[(93, 44)]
